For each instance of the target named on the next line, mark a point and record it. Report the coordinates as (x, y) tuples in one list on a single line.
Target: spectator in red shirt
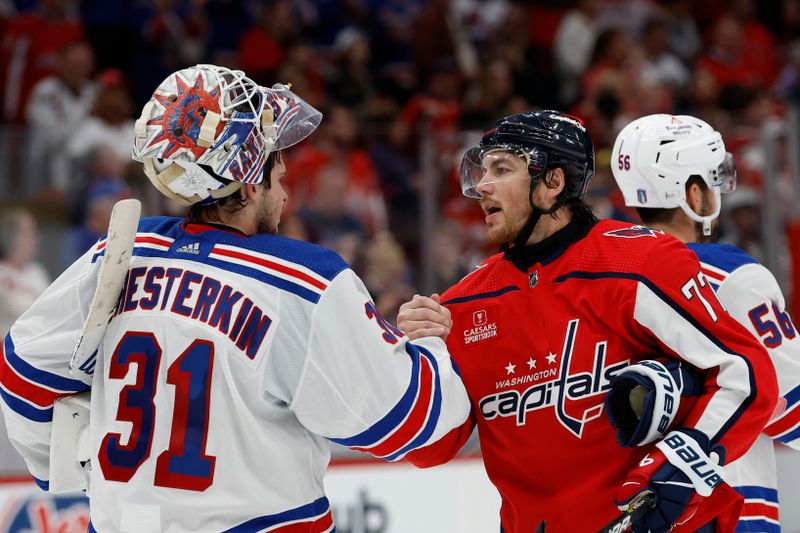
[(262, 47), (730, 59), (29, 51), (337, 145)]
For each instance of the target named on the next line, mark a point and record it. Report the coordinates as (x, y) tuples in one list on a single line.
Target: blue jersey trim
[(433, 416), (726, 257), (790, 437), (321, 261), (689, 318), (42, 484), (757, 525), (792, 397), (481, 295), (23, 408), (385, 425), (253, 273), (318, 507), (750, 492), (41, 377)]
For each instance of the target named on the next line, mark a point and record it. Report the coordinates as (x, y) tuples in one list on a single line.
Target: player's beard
[(270, 216), (508, 231)]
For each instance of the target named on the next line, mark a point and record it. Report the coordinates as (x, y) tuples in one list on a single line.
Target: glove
[(645, 398), (680, 472)]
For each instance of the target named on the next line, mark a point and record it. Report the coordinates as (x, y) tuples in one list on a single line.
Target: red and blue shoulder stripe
[(30, 391), (411, 422)]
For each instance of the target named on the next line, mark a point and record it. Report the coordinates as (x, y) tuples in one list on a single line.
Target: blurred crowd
[(404, 86)]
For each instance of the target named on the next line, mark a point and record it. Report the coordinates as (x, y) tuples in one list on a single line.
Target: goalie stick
[(637, 509), (110, 278)]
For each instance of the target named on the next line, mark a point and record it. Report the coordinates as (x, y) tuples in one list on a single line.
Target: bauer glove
[(680, 471)]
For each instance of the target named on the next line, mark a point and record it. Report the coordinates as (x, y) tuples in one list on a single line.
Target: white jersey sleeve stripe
[(415, 420), (45, 381), (412, 419), (295, 270), (153, 241), (786, 428), (266, 267), (28, 391), (315, 516), (24, 408), (760, 511), (716, 274), (681, 333)]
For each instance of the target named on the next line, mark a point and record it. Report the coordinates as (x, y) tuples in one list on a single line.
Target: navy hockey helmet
[(544, 139)]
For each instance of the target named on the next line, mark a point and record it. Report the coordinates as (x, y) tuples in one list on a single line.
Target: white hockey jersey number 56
[(772, 334), (184, 465)]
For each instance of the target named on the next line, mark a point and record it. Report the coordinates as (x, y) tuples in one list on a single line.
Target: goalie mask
[(654, 156), (207, 130)]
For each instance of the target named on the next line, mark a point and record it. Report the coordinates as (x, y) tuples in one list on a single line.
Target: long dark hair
[(233, 202)]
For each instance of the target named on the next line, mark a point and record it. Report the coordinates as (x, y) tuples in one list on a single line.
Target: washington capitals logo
[(183, 115), (562, 393), (633, 232)]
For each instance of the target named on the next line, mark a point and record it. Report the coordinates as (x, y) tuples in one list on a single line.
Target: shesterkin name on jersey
[(199, 297), (556, 392)]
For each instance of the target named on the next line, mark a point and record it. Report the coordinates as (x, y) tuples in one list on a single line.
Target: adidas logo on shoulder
[(192, 248)]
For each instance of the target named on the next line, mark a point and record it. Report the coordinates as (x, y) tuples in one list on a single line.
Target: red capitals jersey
[(537, 337)]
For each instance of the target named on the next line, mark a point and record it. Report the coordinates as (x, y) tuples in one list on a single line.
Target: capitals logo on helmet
[(208, 129)]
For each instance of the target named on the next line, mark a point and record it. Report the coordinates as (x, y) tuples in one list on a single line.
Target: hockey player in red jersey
[(539, 329), (673, 169)]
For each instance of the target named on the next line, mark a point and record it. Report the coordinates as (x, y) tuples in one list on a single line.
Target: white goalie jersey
[(752, 296), (228, 365)]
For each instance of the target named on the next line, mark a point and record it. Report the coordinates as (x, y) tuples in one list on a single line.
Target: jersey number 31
[(184, 465)]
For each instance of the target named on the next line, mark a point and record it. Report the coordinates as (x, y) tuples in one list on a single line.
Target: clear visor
[(493, 164), (294, 119), (724, 177)]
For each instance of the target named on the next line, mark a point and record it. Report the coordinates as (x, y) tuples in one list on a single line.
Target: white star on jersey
[(551, 358), (510, 368), (531, 363)]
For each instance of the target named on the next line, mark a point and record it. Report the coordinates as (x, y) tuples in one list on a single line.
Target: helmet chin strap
[(707, 219), (525, 232)]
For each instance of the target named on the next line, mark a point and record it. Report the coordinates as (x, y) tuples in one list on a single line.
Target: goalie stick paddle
[(110, 278), (637, 509)]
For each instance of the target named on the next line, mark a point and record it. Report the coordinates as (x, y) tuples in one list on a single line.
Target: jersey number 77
[(184, 465)]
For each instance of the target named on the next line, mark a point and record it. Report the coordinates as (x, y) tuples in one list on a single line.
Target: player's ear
[(555, 181), (250, 191), (694, 197)]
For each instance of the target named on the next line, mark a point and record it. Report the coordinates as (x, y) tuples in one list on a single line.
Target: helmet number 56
[(624, 162)]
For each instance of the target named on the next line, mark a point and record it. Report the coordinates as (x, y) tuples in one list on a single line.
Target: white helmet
[(654, 157), (207, 130)]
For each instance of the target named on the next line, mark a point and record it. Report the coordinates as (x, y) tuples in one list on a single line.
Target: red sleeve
[(443, 449)]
